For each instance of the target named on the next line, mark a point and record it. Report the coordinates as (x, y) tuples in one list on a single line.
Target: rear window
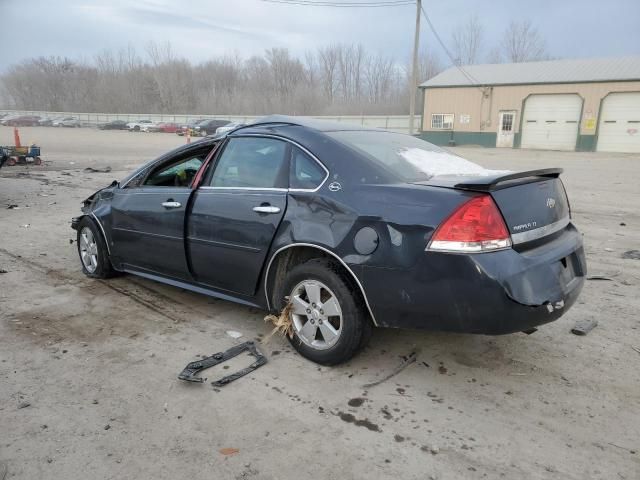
[(407, 157)]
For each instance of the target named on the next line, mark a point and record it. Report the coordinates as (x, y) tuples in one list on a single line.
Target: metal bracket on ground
[(192, 369)]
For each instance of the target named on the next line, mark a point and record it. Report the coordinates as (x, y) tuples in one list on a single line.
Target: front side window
[(305, 172), (179, 172), (251, 162), (442, 121)]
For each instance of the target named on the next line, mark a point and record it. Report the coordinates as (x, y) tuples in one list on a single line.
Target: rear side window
[(409, 158), (305, 172), (251, 162)]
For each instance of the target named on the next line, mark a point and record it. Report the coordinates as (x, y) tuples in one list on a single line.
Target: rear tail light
[(476, 226)]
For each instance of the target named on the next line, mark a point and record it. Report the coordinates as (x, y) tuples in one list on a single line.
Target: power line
[(348, 4), (467, 75)]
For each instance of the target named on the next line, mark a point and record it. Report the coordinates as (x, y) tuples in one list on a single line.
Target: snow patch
[(443, 163)]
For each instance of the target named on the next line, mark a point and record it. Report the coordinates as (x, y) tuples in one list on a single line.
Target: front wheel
[(92, 250), (329, 322)]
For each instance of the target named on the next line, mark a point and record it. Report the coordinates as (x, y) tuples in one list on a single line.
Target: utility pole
[(414, 73)]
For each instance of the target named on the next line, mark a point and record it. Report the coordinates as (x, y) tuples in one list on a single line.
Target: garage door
[(550, 122), (619, 129)]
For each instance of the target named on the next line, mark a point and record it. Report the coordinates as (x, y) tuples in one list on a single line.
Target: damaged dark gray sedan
[(351, 228)]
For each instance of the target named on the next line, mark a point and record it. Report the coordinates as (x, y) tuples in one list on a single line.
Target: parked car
[(343, 228), (114, 125), (7, 118), (165, 127), (190, 127), (228, 127), (139, 125), (208, 126), (22, 121), (68, 121), (47, 121)]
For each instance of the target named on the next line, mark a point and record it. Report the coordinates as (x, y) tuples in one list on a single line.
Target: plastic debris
[(582, 327), (233, 334), (631, 255), (97, 170), (229, 451)]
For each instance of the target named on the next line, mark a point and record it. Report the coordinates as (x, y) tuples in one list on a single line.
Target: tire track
[(150, 299)]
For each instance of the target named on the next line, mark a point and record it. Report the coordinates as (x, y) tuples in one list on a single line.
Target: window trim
[(291, 165), (271, 189), (453, 121), (214, 164), (154, 168)]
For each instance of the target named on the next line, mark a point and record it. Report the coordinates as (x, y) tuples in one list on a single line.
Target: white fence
[(396, 123)]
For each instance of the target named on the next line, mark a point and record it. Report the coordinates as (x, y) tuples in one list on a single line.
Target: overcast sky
[(200, 29)]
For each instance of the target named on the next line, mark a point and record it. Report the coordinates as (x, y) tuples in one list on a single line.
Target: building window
[(442, 121)]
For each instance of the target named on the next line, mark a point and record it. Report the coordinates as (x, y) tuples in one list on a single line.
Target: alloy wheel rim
[(88, 250), (316, 314)]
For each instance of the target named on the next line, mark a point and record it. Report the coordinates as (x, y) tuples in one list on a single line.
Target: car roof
[(271, 121)]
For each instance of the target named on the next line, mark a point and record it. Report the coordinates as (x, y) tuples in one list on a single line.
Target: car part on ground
[(385, 228), (584, 326), (193, 369)]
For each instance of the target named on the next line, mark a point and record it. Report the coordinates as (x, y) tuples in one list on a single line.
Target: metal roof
[(552, 71)]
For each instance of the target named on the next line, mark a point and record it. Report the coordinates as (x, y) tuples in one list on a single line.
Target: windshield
[(408, 157)]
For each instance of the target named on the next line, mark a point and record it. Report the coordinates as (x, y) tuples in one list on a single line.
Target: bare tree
[(467, 41), (328, 61), (523, 43), (336, 79)]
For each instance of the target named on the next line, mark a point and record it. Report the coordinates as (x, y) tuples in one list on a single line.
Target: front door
[(148, 219), (506, 121), (236, 213)]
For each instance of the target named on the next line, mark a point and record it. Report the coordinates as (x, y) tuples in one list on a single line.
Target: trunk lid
[(534, 203)]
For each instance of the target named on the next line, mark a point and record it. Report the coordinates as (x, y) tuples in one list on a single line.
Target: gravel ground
[(88, 368)]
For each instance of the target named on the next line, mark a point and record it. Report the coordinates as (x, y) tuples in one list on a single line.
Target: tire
[(100, 266), (37, 161), (12, 161), (352, 324), (136, 128)]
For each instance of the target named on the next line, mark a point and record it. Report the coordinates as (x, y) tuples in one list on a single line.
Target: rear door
[(148, 219), (236, 214)]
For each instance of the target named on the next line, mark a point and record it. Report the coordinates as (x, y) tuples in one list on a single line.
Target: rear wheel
[(329, 322), (37, 161), (12, 161), (92, 250)]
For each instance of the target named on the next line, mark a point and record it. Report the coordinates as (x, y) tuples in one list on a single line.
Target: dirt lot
[(97, 360)]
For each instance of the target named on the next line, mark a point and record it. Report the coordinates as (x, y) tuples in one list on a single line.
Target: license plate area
[(569, 268)]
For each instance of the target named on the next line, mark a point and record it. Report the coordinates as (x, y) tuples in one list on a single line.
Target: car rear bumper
[(490, 293)]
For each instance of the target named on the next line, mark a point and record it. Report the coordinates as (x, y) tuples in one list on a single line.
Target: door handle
[(266, 209), (171, 204)]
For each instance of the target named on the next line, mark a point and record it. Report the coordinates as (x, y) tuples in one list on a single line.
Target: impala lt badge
[(551, 202)]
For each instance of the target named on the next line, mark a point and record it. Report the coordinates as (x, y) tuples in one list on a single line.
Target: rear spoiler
[(492, 182)]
